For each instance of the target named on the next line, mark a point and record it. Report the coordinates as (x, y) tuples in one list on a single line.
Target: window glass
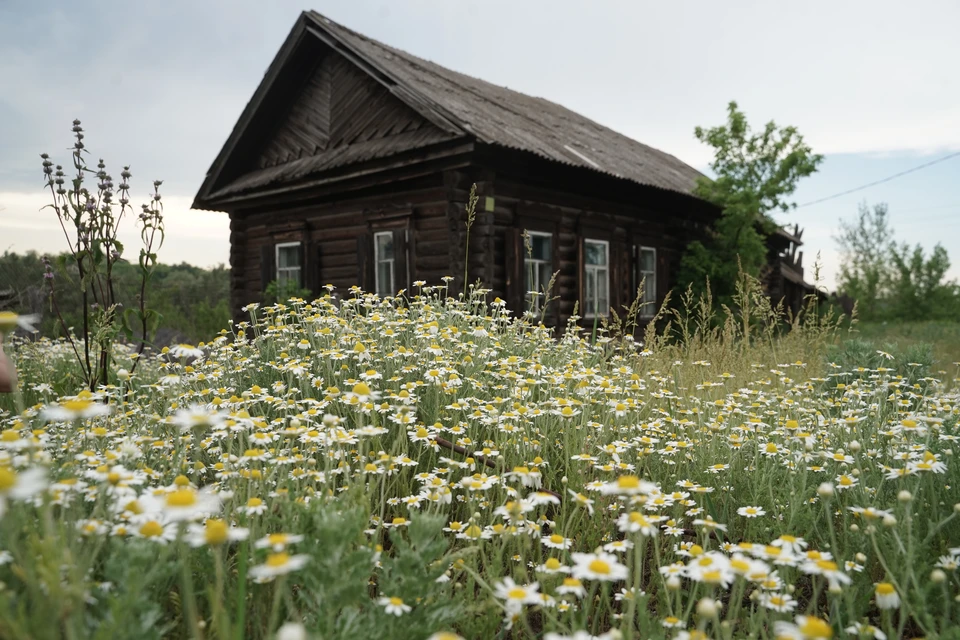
[(596, 252), (647, 267), (541, 246), (288, 265), (384, 246), (596, 278), (538, 267), (384, 263)]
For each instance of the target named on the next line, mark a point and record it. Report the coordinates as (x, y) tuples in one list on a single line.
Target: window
[(289, 268), (538, 266), (596, 276), (647, 273), (384, 263)]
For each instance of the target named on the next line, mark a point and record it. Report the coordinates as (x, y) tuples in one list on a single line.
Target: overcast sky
[(158, 85)]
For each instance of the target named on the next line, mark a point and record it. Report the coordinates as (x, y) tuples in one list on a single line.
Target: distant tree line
[(193, 302), (889, 280)]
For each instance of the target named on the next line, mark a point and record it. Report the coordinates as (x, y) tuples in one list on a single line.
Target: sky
[(159, 85)]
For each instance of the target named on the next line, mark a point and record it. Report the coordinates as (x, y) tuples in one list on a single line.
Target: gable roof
[(459, 106)]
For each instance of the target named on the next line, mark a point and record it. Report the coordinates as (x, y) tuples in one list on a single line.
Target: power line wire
[(887, 179)]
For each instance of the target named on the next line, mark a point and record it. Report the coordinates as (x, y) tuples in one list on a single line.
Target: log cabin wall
[(660, 222), (329, 232)]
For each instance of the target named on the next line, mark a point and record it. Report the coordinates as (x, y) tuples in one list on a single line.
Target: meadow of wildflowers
[(428, 467)]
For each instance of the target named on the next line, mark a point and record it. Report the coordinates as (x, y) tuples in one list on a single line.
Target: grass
[(440, 468), (942, 337)]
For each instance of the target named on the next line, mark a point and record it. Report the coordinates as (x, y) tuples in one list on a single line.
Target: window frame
[(376, 264), (276, 263), (647, 310), (530, 260), (587, 268)]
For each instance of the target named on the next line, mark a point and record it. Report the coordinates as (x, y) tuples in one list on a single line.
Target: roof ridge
[(425, 64)]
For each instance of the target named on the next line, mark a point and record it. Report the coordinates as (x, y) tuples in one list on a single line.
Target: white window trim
[(527, 259), (648, 311), (278, 268), (376, 263), (597, 268)]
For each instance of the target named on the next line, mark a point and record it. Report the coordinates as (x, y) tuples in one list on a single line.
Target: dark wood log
[(400, 252), (365, 264), (513, 267), (268, 272)]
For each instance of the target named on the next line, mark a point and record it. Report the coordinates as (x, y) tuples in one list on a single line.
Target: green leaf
[(153, 321)]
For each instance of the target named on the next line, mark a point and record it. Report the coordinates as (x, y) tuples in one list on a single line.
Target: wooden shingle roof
[(460, 107), (501, 116)]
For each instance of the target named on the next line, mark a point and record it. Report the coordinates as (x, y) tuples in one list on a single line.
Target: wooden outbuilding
[(353, 162)]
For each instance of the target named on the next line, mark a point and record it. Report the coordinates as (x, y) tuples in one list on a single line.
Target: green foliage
[(335, 602), (281, 292), (865, 259), (892, 281), (940, 337), (188, 303), (755, 174), (918, 289)]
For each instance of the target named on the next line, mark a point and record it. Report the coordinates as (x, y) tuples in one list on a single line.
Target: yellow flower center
[(182, 498), (628, 482), (216, 532), (556, 539), (8, 479), (9, 435), (740, 565), (395, 601), (827, 565), (516, 594), (815, 628), (276, 560), (599, 566), (361, 389), (552, 563), (885, 589), (76, 406), (254, 502), (151, 529), (474, 531)]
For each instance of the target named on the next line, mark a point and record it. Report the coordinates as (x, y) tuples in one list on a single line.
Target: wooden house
[(353, 161)]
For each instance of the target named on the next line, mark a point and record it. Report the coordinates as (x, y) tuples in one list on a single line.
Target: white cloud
[(198, 237)]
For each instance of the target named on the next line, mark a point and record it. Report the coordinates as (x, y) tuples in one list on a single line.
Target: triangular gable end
[(337, 105), (315, 100)]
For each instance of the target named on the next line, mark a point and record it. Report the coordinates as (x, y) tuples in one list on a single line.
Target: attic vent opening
[(581, 156)]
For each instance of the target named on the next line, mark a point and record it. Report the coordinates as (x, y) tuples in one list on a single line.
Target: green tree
[(191, 303), (755, 175), (866, 268), (892, 281), (918, 288)]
